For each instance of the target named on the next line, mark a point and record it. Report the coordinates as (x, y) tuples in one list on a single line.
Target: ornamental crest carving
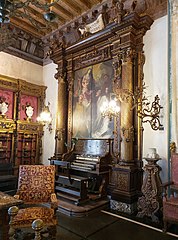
[(92, 27)]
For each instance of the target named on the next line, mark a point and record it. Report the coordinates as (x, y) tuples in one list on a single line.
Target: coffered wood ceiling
[(26, 40), (69, 10), (65, 10)]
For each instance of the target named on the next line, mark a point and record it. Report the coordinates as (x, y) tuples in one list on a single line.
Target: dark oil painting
[(92, 87)]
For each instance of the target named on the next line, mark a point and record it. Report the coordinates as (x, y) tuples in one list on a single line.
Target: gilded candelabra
[(110, 109)]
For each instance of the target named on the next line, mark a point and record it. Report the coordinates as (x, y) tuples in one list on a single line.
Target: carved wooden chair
[(170, 203), (35, 187)]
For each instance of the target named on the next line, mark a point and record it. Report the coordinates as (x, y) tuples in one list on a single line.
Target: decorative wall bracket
[(147, 111), (150, 113)]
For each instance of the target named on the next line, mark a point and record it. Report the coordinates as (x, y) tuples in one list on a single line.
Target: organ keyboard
[(85, 169), (84, 163)]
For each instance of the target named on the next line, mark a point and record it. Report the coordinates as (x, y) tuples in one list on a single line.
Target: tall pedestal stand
[(150, 202)]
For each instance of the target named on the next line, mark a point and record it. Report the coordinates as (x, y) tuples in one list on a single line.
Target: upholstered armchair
[(170, 203), (35, 188)]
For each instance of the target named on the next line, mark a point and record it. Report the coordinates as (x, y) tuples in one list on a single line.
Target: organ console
[(83, 172)]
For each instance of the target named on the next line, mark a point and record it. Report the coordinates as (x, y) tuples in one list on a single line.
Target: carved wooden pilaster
[(62, 104), (61, 116), (141, 62), (127, 128), (70, 81), (117, 82), (128, 68)]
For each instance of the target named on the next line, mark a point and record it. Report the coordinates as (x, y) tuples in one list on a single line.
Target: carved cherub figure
[(117, 11), (83, 31)]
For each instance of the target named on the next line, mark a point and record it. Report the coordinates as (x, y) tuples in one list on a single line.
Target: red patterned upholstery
[(26, 216), (35, 186), (36, 183), (170, 204)]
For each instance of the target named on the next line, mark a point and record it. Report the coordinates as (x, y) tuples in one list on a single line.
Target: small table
[(6, 201)]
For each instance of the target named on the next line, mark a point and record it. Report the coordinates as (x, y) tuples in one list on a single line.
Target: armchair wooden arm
[(166, 184), (165, 189), (16, 196), (54, 202)]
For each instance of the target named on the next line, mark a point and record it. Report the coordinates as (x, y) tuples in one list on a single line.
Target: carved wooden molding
[(112, 12), (34, 90), (8, 83), (32, 127), (29, 46), (7, 125), (24, 45)]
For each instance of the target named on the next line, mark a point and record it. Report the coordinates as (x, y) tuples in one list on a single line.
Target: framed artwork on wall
[(92, 87)]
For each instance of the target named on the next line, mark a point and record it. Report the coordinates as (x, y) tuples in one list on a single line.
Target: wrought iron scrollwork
[(147, 111), (151, 113)]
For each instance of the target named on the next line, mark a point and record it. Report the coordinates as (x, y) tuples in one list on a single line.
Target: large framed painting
[(92, 87)]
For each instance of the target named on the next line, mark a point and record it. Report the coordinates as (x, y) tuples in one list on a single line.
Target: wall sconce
[(45, 117), (110, 109)]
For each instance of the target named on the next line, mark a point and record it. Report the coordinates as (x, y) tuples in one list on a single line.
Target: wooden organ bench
[(70, 186), (83, 172)]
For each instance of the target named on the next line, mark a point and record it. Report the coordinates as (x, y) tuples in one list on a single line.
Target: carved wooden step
[(68, 191), (73, 181), (75, 192), (71, 198), (67, 197)]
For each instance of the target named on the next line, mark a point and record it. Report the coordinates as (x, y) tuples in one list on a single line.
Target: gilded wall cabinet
[(20, 133)]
